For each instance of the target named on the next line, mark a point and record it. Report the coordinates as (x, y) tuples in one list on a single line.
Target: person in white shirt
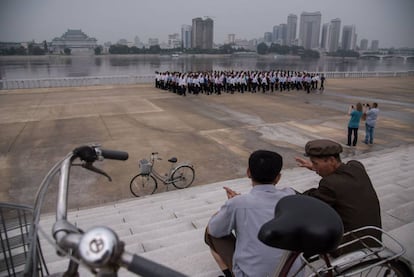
[(370, 122), (242, 254)]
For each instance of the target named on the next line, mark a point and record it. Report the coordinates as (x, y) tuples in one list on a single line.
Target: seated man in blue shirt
[(245, 214)]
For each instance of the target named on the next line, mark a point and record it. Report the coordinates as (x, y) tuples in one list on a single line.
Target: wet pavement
[(215, 133)]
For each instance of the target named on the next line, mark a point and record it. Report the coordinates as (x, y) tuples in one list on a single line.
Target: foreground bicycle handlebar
[(98, 248)]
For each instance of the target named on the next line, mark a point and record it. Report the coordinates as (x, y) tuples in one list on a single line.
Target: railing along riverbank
[(140, 79)]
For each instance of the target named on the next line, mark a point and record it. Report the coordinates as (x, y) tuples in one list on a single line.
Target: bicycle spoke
[(183, 176), (143, 184)]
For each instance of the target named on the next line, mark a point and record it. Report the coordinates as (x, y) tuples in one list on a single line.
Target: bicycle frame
[(349, 264), (99, 248), (166, 178)]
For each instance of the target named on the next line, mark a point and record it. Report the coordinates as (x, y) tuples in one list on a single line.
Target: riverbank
[(142, 79)]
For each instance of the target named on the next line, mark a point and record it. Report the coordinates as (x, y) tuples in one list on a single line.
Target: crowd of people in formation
[(218, 82)]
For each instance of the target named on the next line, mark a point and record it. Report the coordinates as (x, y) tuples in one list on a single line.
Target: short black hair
[(265, 166)]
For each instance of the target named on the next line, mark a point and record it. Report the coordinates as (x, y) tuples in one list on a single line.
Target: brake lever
[(89, 166)]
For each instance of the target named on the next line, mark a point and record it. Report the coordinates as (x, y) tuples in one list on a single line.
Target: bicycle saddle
[(303, 224), (173, 160)]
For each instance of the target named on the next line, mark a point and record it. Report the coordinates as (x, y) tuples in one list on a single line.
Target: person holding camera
[(371, 120), (353, 124)]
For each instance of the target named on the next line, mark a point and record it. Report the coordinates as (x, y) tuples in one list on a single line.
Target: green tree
[(262, 48), (45, 48), (310, 54), (67, 51), (21, 51), (226, 49), (30, 47), (154, 49), (118, 49), (98, 50), (36, 50)]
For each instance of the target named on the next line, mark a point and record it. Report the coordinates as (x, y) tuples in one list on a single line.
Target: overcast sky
[(389, 21)]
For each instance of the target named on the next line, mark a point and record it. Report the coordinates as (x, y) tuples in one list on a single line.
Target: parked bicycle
[(99, 248), (310, 229), (180, 176)]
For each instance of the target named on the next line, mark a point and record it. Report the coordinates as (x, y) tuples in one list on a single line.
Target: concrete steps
[(169, 227)]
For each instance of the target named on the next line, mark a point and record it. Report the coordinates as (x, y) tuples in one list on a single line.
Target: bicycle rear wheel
[(183, 176), (392, 268), (143, 184)]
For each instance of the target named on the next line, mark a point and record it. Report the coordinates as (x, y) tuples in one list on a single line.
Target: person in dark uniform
[(346, 187), (322, 88)]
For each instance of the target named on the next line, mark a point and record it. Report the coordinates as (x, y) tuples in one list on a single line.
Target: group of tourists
[(218, 82)]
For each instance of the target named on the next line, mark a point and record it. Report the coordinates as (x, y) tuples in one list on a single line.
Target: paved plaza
[(215, 133)]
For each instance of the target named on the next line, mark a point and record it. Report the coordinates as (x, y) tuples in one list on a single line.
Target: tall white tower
[(310, 28)]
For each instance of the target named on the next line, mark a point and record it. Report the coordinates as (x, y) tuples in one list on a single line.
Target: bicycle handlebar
[(99, 247), (114, 155)]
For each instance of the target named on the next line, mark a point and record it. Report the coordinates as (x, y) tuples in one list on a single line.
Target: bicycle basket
[(15, 223), (145, 166)]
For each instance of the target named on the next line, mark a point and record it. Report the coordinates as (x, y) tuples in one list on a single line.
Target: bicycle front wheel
[(183, 176), (143, 184)]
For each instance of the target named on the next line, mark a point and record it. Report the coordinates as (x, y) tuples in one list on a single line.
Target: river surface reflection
[(109, 65)]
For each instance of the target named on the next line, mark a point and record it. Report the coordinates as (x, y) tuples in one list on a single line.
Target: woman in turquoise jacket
[(353, 125)]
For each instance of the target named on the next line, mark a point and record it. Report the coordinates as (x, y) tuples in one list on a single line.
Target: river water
[(35, 67)]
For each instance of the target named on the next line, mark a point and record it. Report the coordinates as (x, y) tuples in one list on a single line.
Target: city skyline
[(389, 22)]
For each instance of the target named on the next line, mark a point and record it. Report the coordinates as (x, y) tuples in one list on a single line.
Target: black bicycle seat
[(303, 224), (173, 160)]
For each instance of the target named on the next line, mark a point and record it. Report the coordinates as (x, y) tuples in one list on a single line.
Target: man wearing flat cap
[(344, 186)]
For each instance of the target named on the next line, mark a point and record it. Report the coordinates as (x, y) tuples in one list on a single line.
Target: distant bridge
[(405, 58)]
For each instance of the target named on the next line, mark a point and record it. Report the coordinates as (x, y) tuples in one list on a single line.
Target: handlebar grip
[(114, 155), (144, 267)]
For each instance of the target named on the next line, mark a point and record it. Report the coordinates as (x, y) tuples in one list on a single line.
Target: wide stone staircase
[(168, 227)]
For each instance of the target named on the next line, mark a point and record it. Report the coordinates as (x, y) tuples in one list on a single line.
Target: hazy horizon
[(389, 22)]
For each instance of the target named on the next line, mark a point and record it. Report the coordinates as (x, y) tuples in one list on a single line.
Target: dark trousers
[(355, 140), (224, 247)]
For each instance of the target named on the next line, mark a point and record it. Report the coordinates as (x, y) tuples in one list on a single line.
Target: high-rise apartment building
[(138, 43), (279, 34), (202, 33), (292, 22), (348, 37), (174, 41), (364, 44), (186, 36), (374, 45), (275, 35), (334, 31), (309, 29), (324, 36), (282, 34), (231, 38), (268, 37), (153, 42)]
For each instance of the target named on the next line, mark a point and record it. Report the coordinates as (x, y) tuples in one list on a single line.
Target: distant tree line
[(344, 53), (156, 49), (32, 49), (263, 48)]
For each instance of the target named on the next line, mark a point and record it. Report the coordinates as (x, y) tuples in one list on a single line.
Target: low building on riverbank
[(74, 39)]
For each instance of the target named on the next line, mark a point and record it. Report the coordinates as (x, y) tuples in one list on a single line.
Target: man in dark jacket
[(345, 187)]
